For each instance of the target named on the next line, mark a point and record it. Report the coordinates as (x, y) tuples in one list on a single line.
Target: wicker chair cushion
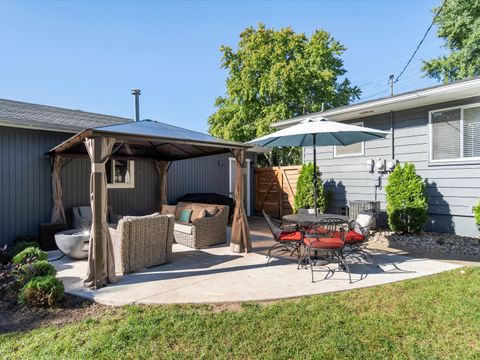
[(168, 210), (184, 228)]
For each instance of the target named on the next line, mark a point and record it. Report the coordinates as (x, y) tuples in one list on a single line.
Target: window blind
[(471, 132), (446, 130)]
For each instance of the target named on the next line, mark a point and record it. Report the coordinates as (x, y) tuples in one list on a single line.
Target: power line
[(387, 65), (421, 41)]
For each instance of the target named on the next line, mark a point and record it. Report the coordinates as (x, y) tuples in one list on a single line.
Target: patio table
[(308, 219)]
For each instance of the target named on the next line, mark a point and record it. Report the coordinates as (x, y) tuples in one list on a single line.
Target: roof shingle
[(22, 114)]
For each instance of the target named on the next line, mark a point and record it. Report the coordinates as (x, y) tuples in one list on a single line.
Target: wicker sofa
[(208, 224), (142, 241)]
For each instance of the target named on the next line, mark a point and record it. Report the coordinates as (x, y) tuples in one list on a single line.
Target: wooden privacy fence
[(275, 189)]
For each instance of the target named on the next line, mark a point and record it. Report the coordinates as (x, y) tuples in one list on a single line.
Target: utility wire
[(421, 41)]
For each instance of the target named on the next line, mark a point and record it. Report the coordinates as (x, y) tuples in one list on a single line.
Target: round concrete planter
[(73, 243)]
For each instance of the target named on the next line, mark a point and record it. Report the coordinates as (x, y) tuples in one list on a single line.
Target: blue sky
[(88, 55)]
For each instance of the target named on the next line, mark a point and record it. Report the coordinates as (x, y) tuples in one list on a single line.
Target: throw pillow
[(180, 207), (211, 211), (198, 211), (198, 215), (168, 210), (185, 216)]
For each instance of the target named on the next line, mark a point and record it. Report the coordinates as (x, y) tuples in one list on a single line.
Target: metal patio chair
[(325, 241), (288, 239), (359, 230)]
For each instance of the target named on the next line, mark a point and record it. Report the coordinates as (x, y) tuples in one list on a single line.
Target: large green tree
[(459, 25), (275, 75)]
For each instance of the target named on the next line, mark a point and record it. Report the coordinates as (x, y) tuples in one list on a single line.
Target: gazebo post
[(101, 267), (240, 236), (58, 212), (97, 211)]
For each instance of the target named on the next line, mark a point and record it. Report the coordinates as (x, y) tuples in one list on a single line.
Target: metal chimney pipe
[(136, 94)]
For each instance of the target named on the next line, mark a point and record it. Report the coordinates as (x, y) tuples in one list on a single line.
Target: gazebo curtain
[(58, 212), (240, 237), (103, 271), (162, 168)]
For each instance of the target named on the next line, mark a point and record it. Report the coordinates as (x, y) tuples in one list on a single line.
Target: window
[(120, 174), (349, 150), (455, 134)]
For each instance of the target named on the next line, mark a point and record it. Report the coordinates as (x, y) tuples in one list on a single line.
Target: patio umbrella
[(319, 132)]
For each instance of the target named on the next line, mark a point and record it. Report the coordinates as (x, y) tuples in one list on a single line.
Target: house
[(436, 128), (28, 131)]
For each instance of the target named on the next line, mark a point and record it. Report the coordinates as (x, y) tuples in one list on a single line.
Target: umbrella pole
[(315, 174)]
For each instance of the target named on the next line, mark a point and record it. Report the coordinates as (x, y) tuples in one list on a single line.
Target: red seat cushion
[(353, 237), (290, 236), (324, 243)]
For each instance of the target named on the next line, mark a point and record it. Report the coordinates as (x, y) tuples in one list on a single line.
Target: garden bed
[(443, 243), (71, 309), (14, 317)]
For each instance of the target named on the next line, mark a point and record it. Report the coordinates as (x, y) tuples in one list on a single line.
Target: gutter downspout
[(392, 139)]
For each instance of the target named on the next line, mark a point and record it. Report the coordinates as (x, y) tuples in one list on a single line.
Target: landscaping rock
[(444, 243)]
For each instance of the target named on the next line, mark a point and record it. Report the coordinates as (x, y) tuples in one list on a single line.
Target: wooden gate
[(275, 189)]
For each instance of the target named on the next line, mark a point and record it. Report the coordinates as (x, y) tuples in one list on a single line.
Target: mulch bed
[(72, 309)]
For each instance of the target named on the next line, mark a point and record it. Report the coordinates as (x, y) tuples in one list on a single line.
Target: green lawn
[(432, 317)]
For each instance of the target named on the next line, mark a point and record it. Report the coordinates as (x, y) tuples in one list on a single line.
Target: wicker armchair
[(142, 241), (203, 231)]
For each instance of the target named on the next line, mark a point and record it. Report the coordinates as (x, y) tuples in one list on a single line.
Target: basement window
[(120, 174), (455, 134), (357, 149)]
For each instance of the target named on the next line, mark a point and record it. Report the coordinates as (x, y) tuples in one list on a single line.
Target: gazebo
[(146, 139)]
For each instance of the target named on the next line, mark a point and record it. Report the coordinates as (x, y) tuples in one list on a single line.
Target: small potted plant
[(476, 214)]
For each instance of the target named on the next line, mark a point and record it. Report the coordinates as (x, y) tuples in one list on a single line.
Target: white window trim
[(430, 134), (131, 184), (359, 123)]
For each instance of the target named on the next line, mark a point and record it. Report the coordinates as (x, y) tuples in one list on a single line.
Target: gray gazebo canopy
[(144, 139), (150, 139)]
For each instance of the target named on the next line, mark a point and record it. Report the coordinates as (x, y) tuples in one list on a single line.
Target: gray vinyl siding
[(25, 199), (453, 189)]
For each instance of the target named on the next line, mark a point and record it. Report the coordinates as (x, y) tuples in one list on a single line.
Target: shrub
[(476, 213), (406, 200), (36, 268), (25, 238), (41, 291), (19, 247), (29, 253), (305, 190)]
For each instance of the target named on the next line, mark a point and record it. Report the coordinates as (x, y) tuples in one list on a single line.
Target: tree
[(276, 75), (406, 200), (459, 25)]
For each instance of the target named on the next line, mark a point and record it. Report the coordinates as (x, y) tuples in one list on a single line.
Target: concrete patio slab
[(216, 275)]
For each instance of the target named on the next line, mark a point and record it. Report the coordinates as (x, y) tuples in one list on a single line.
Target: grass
[(431, 317)]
